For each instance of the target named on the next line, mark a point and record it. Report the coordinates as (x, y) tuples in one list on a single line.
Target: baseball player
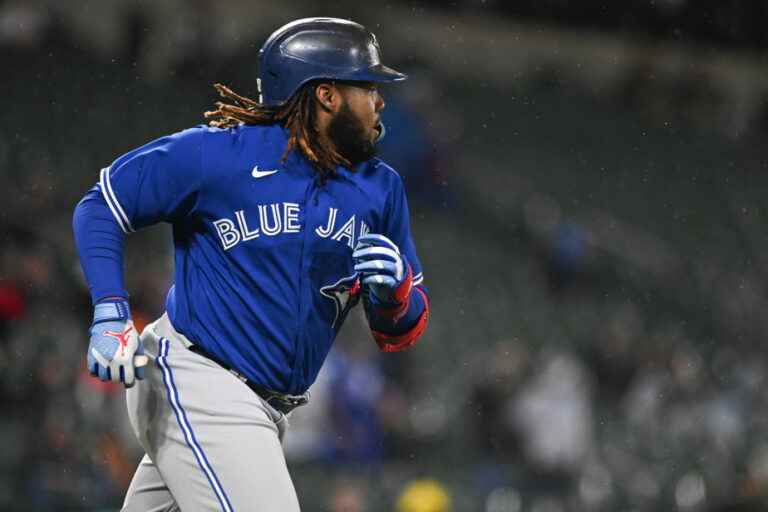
[(282, 221)]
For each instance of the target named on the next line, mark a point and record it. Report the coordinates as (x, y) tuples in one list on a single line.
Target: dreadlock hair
[(297, 115)]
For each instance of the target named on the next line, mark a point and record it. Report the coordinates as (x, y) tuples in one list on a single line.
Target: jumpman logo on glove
[(122, 337), (115, 352)]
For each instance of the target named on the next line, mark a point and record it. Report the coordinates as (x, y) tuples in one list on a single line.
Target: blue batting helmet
[(317, 48)]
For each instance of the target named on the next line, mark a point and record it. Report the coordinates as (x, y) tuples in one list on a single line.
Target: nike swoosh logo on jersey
[(256, 173)]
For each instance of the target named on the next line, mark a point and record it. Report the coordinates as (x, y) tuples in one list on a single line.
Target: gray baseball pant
[(211, 443)]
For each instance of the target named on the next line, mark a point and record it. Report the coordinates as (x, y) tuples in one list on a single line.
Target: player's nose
[(380, 102)]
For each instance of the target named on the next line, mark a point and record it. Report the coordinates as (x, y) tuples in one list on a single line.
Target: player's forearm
[(396, 334), (100, 243)]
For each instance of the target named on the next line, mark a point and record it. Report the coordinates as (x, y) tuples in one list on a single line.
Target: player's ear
[(328, 96)]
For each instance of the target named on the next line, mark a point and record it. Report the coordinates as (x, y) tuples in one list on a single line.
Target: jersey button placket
[(310, 202)]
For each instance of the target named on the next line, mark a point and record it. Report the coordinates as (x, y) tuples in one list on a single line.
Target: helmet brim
[(380, 73)]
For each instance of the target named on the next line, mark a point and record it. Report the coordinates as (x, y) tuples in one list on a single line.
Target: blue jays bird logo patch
[(345, 293)]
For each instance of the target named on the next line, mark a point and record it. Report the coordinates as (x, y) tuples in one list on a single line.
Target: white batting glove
[(115, 352), (382, 268)]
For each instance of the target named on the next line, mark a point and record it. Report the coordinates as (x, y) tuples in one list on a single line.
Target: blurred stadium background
[(587, 182)]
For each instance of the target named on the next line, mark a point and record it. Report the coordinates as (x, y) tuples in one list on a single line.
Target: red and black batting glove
[(384, 274)]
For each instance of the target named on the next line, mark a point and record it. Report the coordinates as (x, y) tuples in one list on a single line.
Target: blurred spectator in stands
[(356, 385), (348, 496), (567, 259), (553, 414), (498, 375)]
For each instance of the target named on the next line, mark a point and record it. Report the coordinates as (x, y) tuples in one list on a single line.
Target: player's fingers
[(93, 366), (113, 370), (128, 376), (377, 267), (102, 373), (139, 362), (96, 366), (378, 279), (374, 250), (375, 239), (369, 253)]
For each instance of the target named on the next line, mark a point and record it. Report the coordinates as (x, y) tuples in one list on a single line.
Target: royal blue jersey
[(263, 265)]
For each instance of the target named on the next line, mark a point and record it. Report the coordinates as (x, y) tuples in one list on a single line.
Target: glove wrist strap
[(395, 343), (111, 311)]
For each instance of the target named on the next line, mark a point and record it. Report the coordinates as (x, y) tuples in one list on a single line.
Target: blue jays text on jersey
[(279, 218), (263, 272)]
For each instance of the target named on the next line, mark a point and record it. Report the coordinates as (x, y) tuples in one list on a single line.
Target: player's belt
[(282, 402)]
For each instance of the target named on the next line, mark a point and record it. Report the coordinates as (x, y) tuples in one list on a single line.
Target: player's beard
[(350, 137)]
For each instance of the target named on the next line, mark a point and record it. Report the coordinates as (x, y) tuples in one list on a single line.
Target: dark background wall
[(587, 188)]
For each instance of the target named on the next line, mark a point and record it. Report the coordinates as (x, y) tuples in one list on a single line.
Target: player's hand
[(382, 269), (115, 352)]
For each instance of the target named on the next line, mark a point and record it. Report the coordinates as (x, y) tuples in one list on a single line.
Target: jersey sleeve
[(397, 227), (398, 328), (157, 182)]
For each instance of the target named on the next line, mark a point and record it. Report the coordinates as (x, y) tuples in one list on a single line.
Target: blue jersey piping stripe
[(112, 202), (186, 427)]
